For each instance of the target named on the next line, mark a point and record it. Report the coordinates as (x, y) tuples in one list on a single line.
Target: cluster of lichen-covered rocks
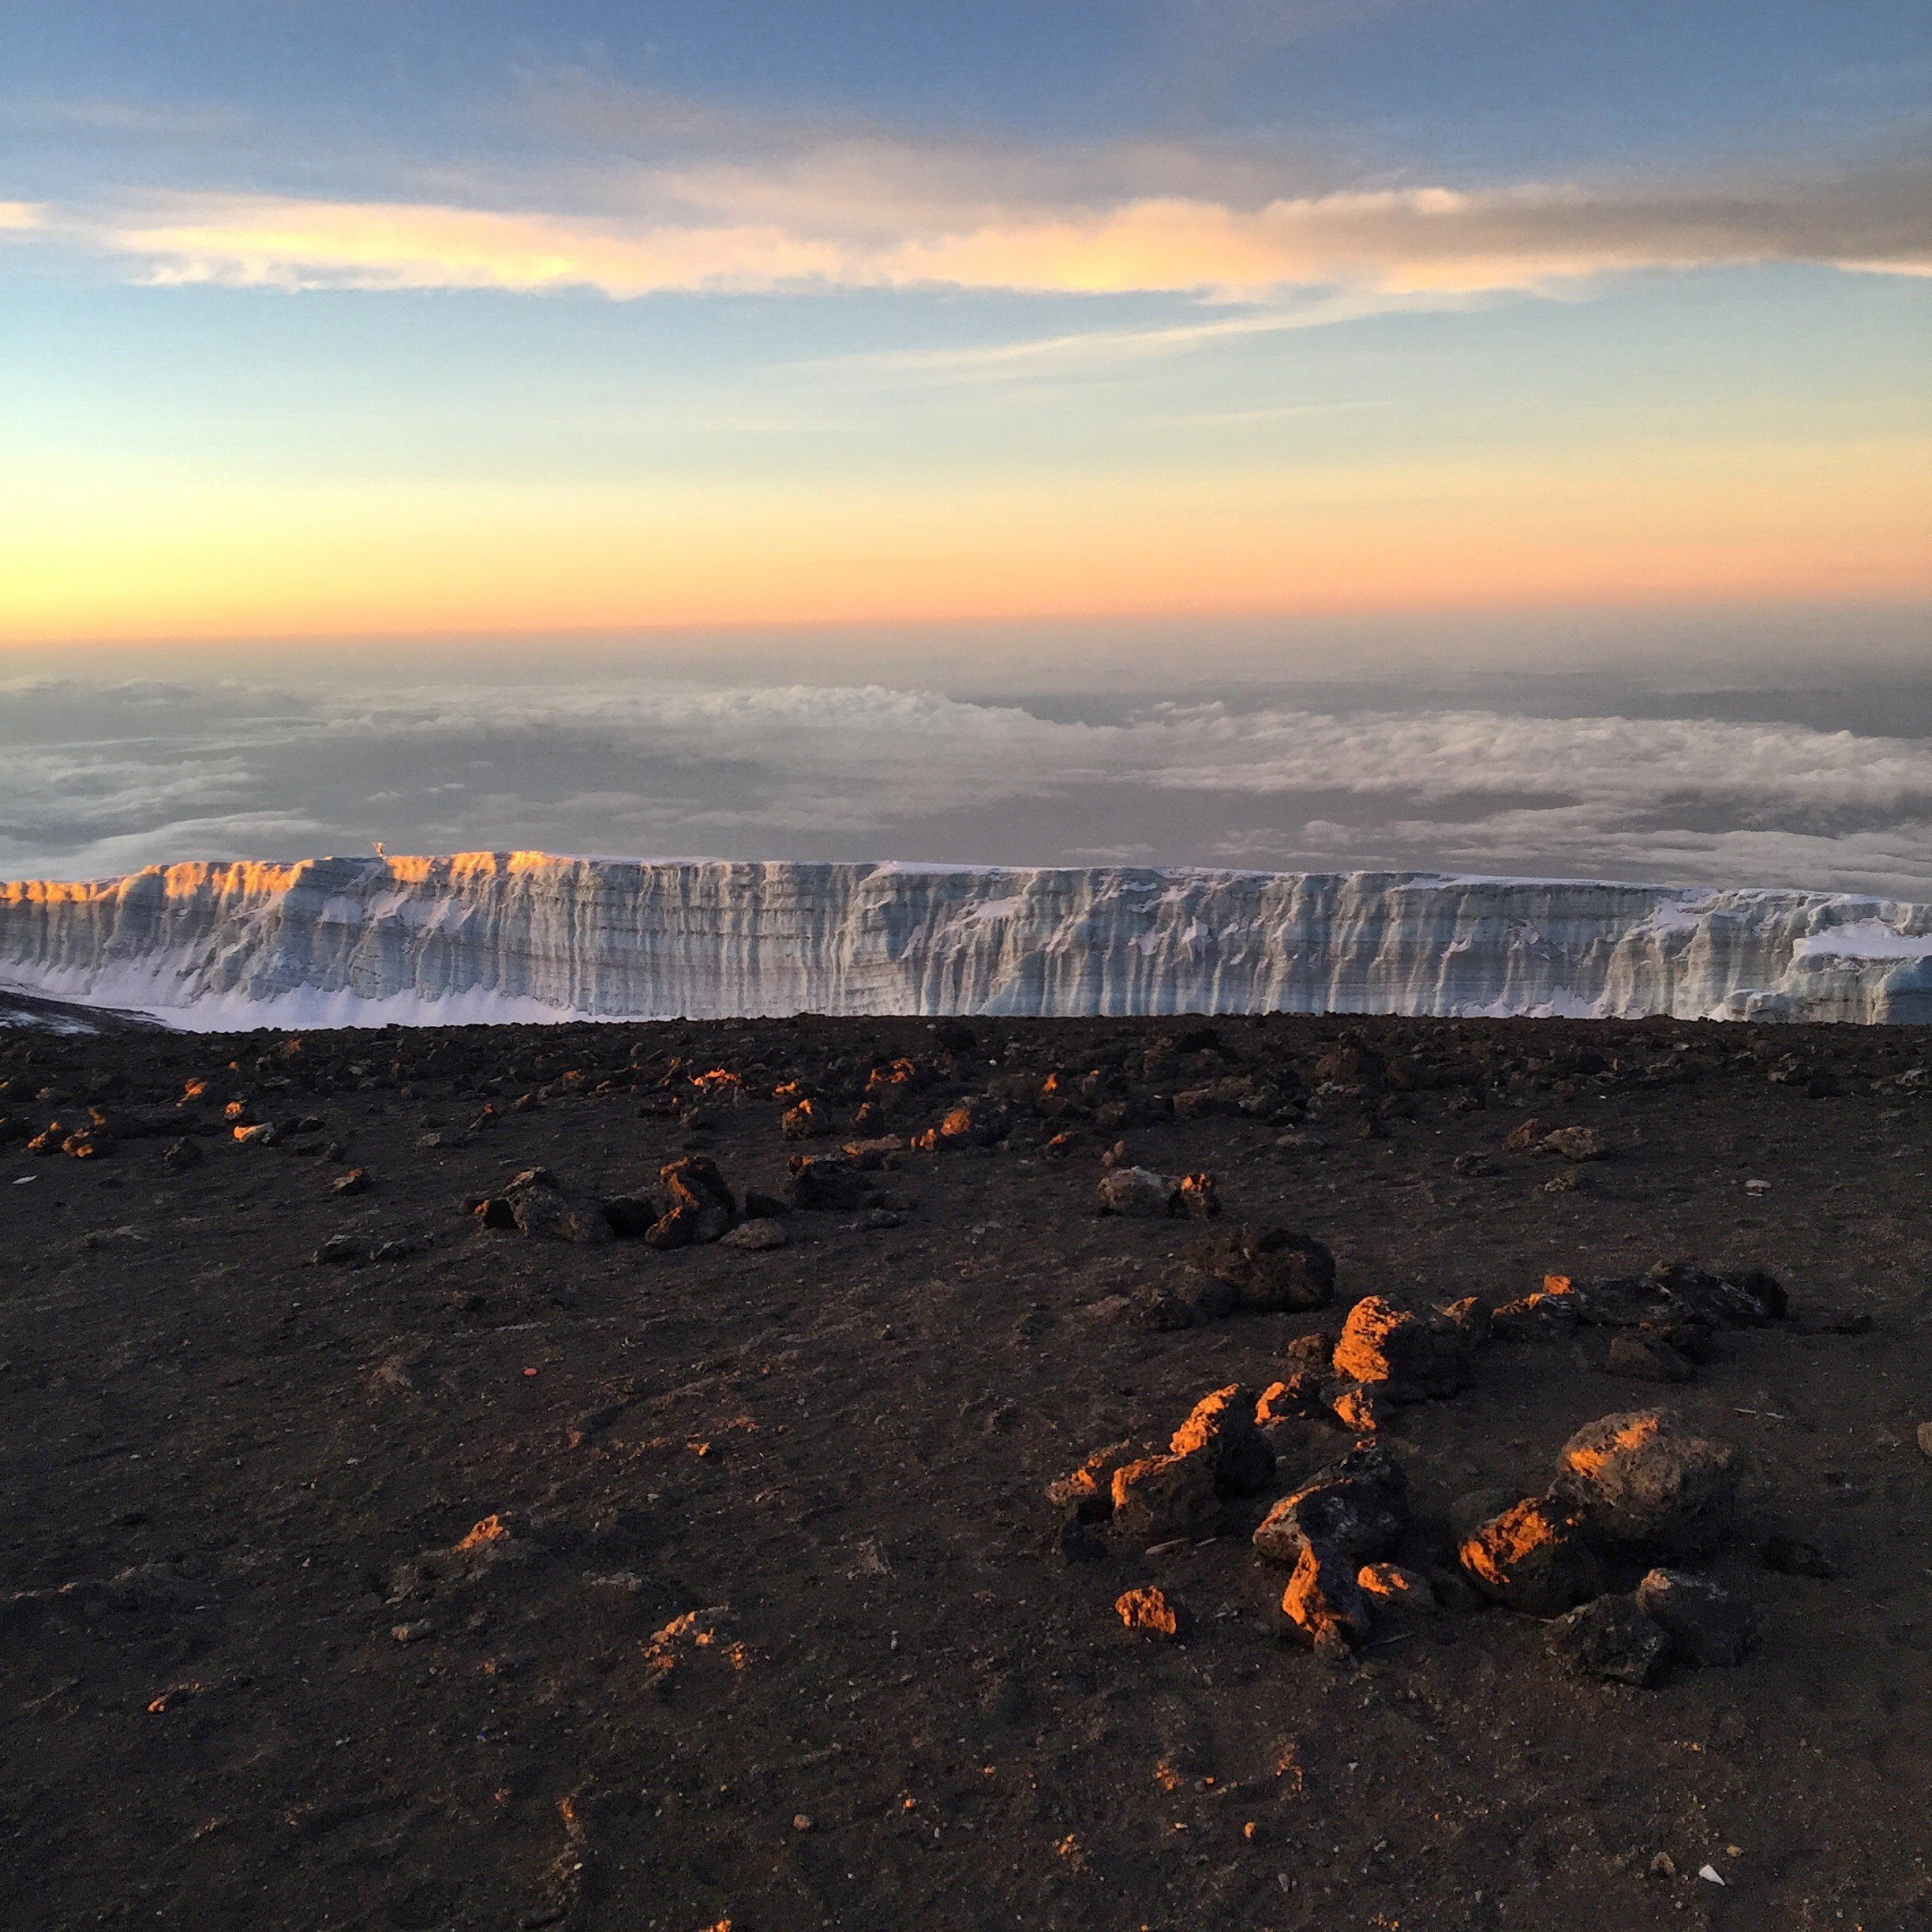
[(1608, 1551)]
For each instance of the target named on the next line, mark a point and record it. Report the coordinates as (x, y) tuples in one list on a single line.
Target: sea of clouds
[(1774, 787)]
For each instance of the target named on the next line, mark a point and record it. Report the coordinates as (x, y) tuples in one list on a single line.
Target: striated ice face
[(524, 936)]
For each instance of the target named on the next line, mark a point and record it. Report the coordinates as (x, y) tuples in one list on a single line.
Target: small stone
[(342, 1249), (1925, 1438), (1574, 1143), (1663, 1866), (1197, 1196), (356, 1181), (181, 1154), (1299, 1399), (1361, 1407), (1646, 1358), (800, 1822), (1314, 1351), (1555, 1309), (757, 1236), (1138, 1192), (1089, 1491), (1642, 1479), (1613, 1638), (417, 1630), (1707, 1624), (1526, 1135), (1390, 1583), (1324, 1603), (1410, 1358), (1159, 1498), (1532, 1558), (1151, 1609), (1161, 1310), (878, 1219)]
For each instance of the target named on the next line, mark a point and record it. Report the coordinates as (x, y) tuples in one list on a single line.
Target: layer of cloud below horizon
[(102, 779)]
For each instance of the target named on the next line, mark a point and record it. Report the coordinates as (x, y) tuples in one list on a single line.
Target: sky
[(1253, 432), (422, 320)]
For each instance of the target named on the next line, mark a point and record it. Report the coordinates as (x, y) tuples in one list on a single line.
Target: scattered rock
[(1360, 1406), (1641, 1478), (1314, 1351), (1401, 1589), (1151, 1610), (356, 1181), (1088, 1492), (699, 1206), (1161, 1309), (869, 1155), (1612, 1638), (1523, 1136), (1138, 1192), (183, 1154), (1269, 1268), (800, 1123), (1221, 1427), (1555, 1309), (1324, 1603), (758, 1236), (1707, 1624), (1159, 1498), (1355, 1508), (1411, 1358), (340, 1249), (1196, 1196), (1299, 1399), (1532, 1558), (1574, 1143), (541, 1210), (1925, 1438), (1747, 1300)]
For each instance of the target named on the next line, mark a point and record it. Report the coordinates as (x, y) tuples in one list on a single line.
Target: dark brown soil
[(899, 1704)]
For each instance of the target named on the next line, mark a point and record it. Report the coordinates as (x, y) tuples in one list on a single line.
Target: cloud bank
[(742, 229), (103, 778)]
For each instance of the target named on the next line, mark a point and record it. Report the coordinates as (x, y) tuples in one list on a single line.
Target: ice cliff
[(500, 936)]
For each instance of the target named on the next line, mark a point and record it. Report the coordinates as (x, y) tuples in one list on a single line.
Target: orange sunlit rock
[(490, 1529), (1151, 1609)]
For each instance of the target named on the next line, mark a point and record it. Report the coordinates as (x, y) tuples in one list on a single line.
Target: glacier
[(527, 936)]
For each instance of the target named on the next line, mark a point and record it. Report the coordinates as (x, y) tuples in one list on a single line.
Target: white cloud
[(98, 780)]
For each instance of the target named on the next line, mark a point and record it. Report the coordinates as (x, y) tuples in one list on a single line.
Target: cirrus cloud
[(880, 214)]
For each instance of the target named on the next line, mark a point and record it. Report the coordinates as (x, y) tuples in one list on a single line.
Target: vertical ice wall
[(524, 935)]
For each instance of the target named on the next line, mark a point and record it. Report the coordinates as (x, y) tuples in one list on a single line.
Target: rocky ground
[(421, 1510)]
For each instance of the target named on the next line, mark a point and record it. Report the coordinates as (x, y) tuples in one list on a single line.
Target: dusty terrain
[(508, 1580)]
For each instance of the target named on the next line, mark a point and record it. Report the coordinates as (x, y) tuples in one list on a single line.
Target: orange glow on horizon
[(101, 558)]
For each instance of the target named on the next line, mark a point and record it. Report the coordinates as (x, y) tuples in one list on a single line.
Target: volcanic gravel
[(475, 1579)]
